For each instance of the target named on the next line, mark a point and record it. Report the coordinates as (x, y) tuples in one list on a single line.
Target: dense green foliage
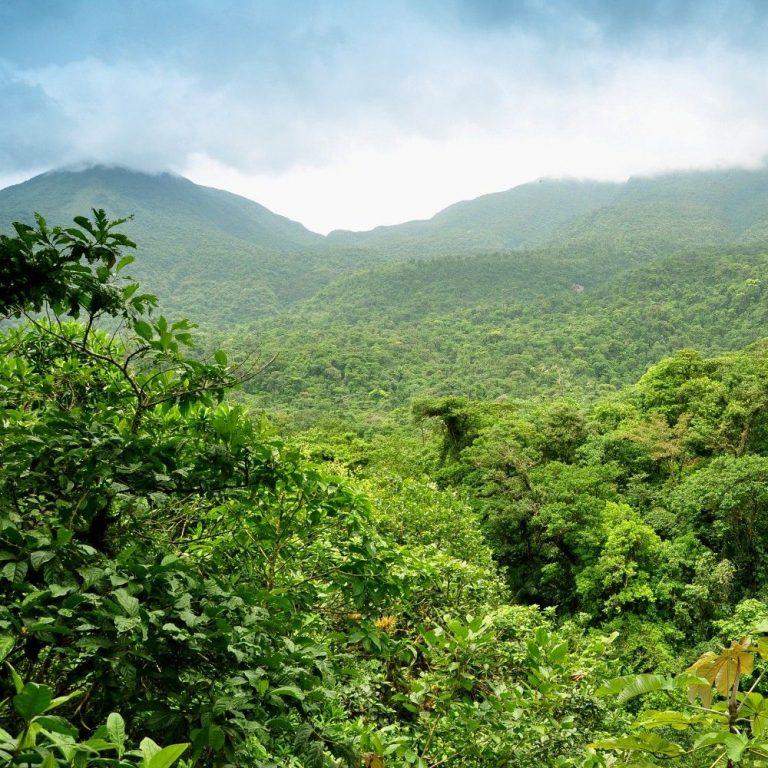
[(520, 504), (497, 327), (167, 557)]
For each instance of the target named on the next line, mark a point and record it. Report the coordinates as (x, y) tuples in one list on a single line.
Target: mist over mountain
[(705, 206), (224, 260), (722, 205)]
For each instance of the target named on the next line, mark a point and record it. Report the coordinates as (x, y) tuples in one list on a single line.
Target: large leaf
[(143, 329), (55, 724), (288, 690), (128, 603), (166, 756), (733, 744), (41, 557), (33, 700), (211, 736), (680, 721), (116, 731), (646, 742), (148, 750), (18, 683), (761, 646), (59, 700), (709, 738), (6, 645), (629, 686), (724, 669)]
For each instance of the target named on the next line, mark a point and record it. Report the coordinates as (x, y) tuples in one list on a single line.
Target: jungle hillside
[(487, 490)]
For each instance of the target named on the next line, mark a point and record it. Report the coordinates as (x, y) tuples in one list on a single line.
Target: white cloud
[(358, 124), (642, 117)]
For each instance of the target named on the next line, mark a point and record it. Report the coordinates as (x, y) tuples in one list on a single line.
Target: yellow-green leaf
[(722, 670)]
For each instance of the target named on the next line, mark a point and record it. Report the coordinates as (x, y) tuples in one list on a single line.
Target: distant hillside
[(124, 192), (224, 261), (373, 341), (519, 217), (640, 219), (208, 254)]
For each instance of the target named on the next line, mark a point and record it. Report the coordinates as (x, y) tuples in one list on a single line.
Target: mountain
[(669, 262), (520, 217), (375, 340), (199, 248), (650, 212), (125, 192), (225, 261)]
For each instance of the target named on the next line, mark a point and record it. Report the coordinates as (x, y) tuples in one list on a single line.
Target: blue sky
[(349, 113)]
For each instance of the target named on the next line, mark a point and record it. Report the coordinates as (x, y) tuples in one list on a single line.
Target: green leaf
[(761, 646), (669, 719), (761, 628), (98, 744), (128, 603), (220, 357), (735, 745), (148, 750), (646, 742), (18, 683), (6, 645), (40, 557), (288, 690), (124, 262), (15, 572), (316, 755), (211, 736), (77, 234), (709, 738), (33, 700), (167, 756), (59, 700), (85, 223), (116, 731), (55, 724), (143, 329), (630, 686)]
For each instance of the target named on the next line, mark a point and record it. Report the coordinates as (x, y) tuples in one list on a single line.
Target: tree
[(156, 550), (726, 504)]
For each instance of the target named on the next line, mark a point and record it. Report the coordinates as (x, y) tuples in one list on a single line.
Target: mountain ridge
[(224, 259), (637, 188), (197, 246)]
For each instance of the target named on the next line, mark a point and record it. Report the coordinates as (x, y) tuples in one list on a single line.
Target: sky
[(351, 114)]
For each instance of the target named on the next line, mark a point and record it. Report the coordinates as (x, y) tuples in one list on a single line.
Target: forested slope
[(376, 339), (464, 566), (199, 247), (224, 260)]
